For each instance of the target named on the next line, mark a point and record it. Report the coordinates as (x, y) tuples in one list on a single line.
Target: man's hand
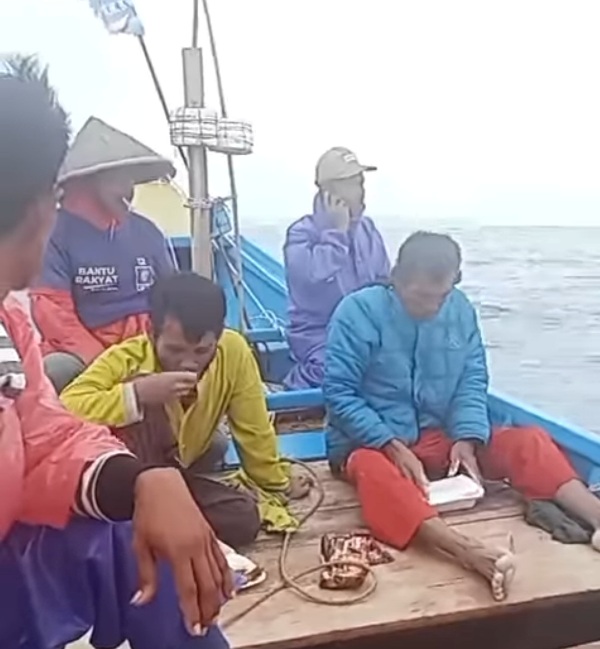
[(408, 464), (462, 454), (158, 389), (338, 211), (167, 524)]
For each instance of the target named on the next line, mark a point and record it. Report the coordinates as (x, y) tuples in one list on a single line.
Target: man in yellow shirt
[(167, 395)]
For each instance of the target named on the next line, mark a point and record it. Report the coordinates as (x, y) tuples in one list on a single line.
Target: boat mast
[(193, 84)]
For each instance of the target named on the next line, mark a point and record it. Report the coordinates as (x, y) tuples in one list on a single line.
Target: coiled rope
[(290, 582)]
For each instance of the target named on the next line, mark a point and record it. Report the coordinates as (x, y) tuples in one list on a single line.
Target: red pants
[(394, 508)]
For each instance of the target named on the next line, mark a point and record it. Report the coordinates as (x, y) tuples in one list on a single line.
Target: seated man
[(63, 572), (406, 395), (328, 254), (167, 393), (102, 257)]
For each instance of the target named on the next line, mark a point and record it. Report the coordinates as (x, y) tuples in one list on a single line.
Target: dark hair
[(197, 303), (34, 137), (429, 253)]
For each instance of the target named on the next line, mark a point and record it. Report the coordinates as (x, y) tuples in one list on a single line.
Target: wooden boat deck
[(420, 599)]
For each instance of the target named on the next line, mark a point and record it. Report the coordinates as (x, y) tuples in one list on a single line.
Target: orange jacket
[(43, 448)]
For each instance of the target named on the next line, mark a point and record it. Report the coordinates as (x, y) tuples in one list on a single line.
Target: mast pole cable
[(238, 280), (159, 92)]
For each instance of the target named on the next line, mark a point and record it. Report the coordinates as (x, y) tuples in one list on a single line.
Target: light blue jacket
[(389, 376)]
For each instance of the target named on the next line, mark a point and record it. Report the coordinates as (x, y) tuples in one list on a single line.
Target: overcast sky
[(478, 109)]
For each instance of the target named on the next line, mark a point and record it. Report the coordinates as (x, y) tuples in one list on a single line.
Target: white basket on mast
[(234, 137), (194, 126)]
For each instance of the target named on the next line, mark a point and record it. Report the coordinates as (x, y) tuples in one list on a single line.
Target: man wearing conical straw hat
[(102, 257)]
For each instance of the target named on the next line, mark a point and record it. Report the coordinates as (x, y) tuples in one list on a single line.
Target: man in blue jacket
[(406, 394)]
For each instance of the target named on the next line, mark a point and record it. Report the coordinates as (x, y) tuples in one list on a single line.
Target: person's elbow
[(80, 404), (300, 267), (342, 402), (333, 396), (348, 411)]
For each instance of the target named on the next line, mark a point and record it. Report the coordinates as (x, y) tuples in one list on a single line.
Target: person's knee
[(367, 460), (240, 524), (62, 368), (511, 437), (249, 522), (535, 434), (527, 437)]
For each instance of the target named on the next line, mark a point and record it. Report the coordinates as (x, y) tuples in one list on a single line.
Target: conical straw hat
[(99, 147)]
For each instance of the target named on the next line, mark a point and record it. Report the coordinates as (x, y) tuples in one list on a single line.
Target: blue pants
[(57, 584)]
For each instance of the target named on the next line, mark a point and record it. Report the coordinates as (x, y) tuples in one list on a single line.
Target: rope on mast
[(238, 279)]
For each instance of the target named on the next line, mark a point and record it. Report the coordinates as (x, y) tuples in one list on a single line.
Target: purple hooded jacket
[(322, 265)]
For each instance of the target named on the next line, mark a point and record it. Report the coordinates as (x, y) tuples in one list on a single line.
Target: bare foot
[(596, 540), (504, 573), (497, 566), (300, 486)]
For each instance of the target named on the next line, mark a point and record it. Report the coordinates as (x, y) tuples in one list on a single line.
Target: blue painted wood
[(265, 335), (274, 359), (305, 446), (294, 400)]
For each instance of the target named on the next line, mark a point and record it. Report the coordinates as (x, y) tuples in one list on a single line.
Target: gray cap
[(339, 163), (100, 147)]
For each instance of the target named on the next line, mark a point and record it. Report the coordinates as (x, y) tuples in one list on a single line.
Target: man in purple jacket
[(328, 254)]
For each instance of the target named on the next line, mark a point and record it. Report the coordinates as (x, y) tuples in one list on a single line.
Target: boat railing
[(506, 411), (295, 400), (266, 335), (304, 446), (581, 445)]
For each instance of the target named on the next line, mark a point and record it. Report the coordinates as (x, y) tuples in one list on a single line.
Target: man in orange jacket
[(62, 571), (102, 257)]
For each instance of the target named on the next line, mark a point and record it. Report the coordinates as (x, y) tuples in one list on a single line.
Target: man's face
[(423, 296), (114, 189), (352, 192), (177, 354)]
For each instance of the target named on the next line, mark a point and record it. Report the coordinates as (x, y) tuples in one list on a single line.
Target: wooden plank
[(417, 590), (340, 496), (288, 422), (340, 510)]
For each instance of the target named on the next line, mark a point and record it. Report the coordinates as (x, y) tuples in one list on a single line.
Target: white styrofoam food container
[(451, 494)]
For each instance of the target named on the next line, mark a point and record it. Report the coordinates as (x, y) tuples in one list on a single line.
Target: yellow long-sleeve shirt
[(231, 386)]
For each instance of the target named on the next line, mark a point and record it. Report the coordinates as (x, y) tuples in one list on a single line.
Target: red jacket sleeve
[(54, 311), (57, 445)]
